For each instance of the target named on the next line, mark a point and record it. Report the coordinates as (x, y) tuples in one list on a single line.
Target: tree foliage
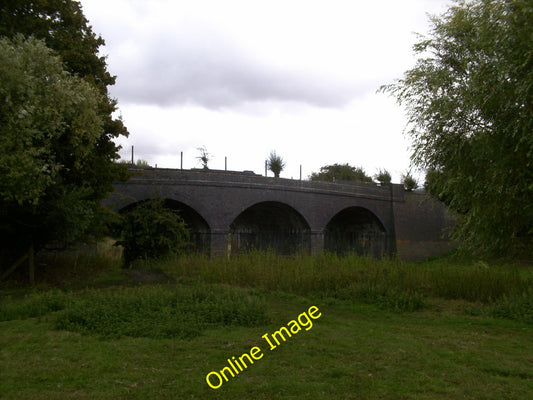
[(150, 230), (64, 28), (44, 108), (49, 126), (383, 177), (469, 101), (275, 163), (56, 125), (341, 172), (409, 183)]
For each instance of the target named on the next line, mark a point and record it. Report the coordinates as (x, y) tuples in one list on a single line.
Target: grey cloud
[(214, 75)]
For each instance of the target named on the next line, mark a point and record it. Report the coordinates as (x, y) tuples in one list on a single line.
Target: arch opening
[(270, 226), (355, 230), (199, 230)]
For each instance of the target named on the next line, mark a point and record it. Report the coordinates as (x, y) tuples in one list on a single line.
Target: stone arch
[(200, 231), (355, 230), (270, 225)]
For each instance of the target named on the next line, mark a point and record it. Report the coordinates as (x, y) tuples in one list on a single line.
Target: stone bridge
[(237, 211)]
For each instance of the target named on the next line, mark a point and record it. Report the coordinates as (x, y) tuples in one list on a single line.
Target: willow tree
[(469, 100)]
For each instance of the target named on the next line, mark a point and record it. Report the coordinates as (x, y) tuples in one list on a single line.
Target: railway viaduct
[(236, 211)]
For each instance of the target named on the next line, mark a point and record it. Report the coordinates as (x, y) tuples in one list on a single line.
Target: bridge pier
[(317, 242), (219, 243)]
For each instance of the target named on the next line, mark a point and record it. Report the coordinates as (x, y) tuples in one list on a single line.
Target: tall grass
[(506, 290), (389, 282)]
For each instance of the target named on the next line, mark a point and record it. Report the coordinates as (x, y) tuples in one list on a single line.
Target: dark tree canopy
[(64, 28), (470, 105), (341, 172)]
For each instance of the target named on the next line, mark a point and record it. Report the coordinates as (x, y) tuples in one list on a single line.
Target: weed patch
[(391, 299), (154, 311), (519, 308)]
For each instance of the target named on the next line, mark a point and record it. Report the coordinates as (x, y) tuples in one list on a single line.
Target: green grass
[(389, 283), (387, 330)]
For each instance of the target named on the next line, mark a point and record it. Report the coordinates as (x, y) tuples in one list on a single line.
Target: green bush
[(151, 230)]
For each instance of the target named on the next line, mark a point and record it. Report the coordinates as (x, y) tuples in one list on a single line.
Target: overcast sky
[(243, 78)]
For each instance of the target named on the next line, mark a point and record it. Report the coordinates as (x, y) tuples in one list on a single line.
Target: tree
[(204, 157), (275, 164), (469, 101), (341, 172), (63, 203), (383, 177), (409, 183), (150, 230), (49, 127), (65, 30)]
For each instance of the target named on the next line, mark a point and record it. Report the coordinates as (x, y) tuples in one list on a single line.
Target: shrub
[(150, 230)]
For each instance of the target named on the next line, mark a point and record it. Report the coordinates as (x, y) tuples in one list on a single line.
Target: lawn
[(126, 340)]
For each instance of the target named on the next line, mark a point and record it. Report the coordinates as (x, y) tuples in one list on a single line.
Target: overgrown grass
[(519, 308), (154, 311), (392, 284), (388, 283)]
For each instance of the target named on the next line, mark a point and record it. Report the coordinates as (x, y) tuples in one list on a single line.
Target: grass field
[(445, 329)]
